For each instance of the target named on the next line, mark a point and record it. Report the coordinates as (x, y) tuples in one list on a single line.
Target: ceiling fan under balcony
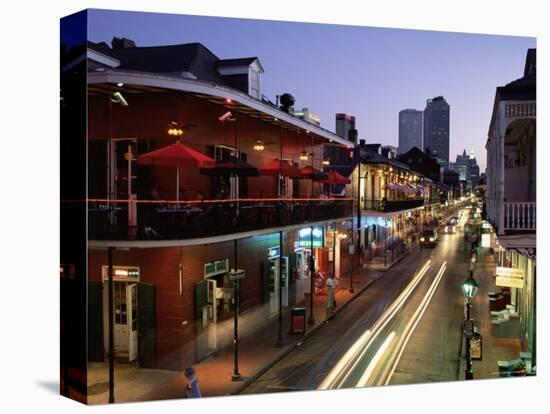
[(176, 129), (259, 144)]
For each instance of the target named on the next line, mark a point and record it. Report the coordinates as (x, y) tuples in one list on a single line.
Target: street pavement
[(404, 329)]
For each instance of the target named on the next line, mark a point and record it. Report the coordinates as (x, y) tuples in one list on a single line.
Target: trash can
[(298, 320)]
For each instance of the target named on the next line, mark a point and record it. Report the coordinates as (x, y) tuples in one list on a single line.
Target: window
[(254, 86)]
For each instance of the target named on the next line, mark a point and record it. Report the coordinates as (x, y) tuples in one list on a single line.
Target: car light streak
[(345, 361), (416, 319), (351, 358), (374, 361)]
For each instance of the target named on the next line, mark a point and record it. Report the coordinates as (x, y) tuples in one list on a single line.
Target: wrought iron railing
[(168, 219), (388, 206)]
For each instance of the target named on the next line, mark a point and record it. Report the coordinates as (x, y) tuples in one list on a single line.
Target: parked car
[(428, 238)]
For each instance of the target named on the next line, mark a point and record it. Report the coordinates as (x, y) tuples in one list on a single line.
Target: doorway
[(300, 274), (273, 275), (122, 179), (125, 319)]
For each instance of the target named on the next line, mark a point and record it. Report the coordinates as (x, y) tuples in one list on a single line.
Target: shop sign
[(510, 277), (121, 273), (273, 252), (306, 235), (216, 268), (236, 274)]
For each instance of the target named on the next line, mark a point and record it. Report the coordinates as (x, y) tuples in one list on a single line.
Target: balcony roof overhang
[(123, 244), (103, 82)]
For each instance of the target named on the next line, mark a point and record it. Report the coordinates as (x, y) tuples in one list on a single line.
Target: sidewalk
[(257, 350), (494, 348)]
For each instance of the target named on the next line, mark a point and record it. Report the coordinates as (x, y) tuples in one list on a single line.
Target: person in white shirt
[(331, 284)]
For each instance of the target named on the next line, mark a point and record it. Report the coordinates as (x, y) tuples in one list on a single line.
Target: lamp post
[(469, 289)]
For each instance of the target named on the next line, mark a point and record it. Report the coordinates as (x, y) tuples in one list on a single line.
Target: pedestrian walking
[(192, 389), (331, 284)]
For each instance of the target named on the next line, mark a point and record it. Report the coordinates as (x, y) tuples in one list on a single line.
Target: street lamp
[(469, 289)]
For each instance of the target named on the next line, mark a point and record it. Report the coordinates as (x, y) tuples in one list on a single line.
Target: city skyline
[(376, 84)]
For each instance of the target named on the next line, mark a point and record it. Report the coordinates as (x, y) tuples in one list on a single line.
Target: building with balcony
[(511, 190), (392, 203), (170, 231)]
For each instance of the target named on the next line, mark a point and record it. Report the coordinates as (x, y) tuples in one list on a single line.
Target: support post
[(311, 319), (280, 333), (469, 374), (111, 327), (236, 376)]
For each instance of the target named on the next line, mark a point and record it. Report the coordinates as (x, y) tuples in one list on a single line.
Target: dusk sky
[(371, 73)]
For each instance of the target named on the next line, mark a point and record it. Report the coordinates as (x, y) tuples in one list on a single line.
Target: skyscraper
[(436, 129), (344, 123), (410, 130)]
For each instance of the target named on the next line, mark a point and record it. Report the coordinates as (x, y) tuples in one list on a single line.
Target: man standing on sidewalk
[(331, 287)]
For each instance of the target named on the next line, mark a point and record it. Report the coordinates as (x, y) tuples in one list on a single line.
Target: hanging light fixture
[(326, 161), (258, 145), (175, 130), (304, 156)]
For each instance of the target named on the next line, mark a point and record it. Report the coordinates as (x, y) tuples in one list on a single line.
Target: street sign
[(510, 277), (236, 274), (468, 328)]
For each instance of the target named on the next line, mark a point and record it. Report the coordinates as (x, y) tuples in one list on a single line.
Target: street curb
[(309, 334)]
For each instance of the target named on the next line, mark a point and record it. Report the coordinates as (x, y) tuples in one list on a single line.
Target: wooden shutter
[(146, 325)]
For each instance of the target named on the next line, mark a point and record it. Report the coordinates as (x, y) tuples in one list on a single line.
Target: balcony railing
[(389, 206), (150, 220), (520, 216)]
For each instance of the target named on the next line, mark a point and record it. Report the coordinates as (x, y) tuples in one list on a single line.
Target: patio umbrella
[(312, 173), (231, 166), (334, 177), (176, 155), (278, 167)]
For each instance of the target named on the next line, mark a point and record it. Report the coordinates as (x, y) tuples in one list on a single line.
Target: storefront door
[(125, 319), (274, 286), (212, 314), (301, 269)]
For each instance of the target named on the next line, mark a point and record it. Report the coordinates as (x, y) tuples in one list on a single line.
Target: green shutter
[(201, 299), (146, 325), (265, 282)]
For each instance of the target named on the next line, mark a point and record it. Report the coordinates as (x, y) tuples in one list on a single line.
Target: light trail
[(374, 361), (417, 317), (352, 357)]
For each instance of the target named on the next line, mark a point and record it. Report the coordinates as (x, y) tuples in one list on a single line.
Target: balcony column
[(500, 183)]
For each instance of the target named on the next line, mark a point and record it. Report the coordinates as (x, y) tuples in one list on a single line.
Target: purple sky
[(371, 73)]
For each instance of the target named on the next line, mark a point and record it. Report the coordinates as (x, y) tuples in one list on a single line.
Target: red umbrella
[(334, 177), (276, 167), (176, 155)]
